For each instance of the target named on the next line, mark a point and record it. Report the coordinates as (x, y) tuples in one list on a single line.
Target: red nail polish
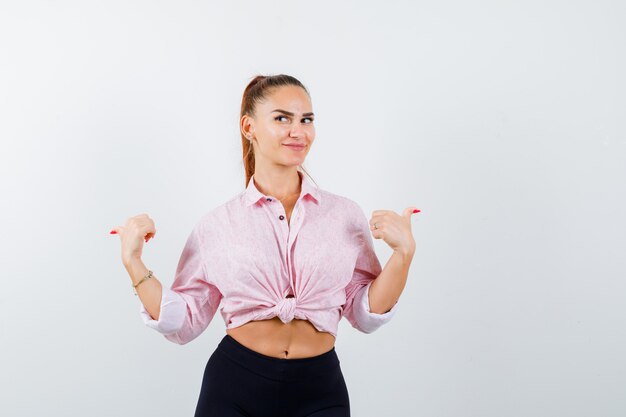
[(416, 211), (113, 232)]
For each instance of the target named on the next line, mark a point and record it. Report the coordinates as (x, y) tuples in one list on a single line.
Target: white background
[(502, 121)]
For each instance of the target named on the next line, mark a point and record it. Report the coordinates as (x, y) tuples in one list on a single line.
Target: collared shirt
[(247, 258)]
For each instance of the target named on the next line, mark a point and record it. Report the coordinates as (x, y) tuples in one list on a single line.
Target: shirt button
[(281, 217)]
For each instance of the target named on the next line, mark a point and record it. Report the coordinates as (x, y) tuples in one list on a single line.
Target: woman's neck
[(286, 188)]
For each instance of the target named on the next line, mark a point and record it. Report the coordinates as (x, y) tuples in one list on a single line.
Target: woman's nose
[(297, 130)]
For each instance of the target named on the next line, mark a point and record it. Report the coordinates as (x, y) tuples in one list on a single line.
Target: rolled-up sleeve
[(189, 305), (172, 315), (367, 268)]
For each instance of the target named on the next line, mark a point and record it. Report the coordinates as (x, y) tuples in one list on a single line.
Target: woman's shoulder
[(214, 216), (337, 201), (222, 214), (345, 208)]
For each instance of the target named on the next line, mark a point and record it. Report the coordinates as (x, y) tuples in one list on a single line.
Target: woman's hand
[(394, 229), (132, 234)]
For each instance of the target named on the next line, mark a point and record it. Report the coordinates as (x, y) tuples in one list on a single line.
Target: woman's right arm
[(162, 309), (184, 310)]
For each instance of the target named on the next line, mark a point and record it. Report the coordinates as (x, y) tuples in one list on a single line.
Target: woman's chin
[(296, 160), (293, 162)]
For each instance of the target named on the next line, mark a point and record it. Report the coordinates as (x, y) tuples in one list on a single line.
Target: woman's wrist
[(406, 252), (136, 269), (128, 260)]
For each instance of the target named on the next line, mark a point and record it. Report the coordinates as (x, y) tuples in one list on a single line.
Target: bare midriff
[(272, 337)]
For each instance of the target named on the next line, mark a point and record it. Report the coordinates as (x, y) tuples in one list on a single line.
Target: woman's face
[(284, 118)]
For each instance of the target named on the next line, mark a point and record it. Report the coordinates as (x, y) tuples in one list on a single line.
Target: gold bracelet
[(142, 280)]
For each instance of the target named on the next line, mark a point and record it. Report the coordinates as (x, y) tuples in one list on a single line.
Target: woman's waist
[(292, 340)]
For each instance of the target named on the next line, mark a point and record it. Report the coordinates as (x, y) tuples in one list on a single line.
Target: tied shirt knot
[(286, 309)]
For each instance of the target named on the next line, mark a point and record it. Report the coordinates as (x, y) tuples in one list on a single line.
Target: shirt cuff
[(367, 320), (172, 315)]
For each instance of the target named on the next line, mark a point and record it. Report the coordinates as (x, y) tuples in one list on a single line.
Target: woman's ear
[(247, 126)]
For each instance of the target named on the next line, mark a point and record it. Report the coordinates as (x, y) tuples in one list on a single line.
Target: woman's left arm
[(395, 230)]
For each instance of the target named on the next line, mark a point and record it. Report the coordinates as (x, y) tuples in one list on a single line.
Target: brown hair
[(256, 91)]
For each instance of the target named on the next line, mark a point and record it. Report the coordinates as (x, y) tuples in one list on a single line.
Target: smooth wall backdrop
[(502, 121)]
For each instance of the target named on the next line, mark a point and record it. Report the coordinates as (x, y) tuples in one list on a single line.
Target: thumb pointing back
[(409, 211)]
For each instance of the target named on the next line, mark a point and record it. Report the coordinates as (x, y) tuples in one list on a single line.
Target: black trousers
[(239, 381)]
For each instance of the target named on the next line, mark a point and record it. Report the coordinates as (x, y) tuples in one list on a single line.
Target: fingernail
[(113, 232), (416, 211)]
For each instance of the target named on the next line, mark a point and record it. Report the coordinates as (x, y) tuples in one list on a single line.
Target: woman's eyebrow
[(290, 113)]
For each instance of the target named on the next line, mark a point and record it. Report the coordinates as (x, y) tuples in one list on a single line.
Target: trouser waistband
[(278, 368)]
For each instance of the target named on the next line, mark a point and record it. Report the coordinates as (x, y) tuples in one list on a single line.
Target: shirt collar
[(252, 194)]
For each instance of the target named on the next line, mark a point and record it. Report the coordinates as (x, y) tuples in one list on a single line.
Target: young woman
[(286, 260)]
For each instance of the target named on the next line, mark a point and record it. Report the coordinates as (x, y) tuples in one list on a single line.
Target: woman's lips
[(296, 147)]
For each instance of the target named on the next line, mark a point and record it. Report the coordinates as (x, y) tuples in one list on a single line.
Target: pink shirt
[(244, 256)]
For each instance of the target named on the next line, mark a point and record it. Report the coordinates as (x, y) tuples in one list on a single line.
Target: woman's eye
[(306, 118)]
